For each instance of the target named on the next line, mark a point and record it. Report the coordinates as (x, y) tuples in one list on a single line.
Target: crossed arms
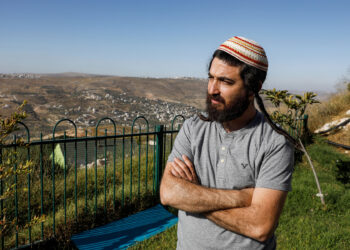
[(250, 212)]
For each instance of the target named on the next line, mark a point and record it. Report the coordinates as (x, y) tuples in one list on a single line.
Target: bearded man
[(230, 169)]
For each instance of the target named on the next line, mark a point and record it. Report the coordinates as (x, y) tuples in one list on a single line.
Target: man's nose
[(213, 87)]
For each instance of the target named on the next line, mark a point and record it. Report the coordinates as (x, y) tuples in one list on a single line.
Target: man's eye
[(228, 82), (210, 78)]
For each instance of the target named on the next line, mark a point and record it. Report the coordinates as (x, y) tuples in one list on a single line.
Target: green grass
[(165, 240), (304, 223)]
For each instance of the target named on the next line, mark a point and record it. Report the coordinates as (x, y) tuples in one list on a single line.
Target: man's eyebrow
[(225, 79), (222, 78)]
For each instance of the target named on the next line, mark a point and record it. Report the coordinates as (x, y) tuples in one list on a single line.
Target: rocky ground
[(338, 130)]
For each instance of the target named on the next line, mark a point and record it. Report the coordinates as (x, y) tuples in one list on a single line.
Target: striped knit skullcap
[(247, 51)]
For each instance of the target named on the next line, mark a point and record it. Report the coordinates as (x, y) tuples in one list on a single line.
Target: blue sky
[(307, 42)]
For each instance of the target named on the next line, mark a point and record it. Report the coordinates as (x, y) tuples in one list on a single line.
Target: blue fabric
[(128, 231)]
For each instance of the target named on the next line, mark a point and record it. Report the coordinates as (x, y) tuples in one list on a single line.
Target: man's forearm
[(186, 196), (239, 220), (257, 221)]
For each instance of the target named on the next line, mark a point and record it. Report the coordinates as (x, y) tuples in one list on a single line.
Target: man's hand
[(179, 188), (184, 169)]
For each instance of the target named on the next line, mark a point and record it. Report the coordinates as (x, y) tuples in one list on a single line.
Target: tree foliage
[(10, 168), (296, 105)]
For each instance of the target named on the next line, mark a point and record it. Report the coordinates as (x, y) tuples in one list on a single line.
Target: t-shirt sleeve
[(182, 143), (277, 167)]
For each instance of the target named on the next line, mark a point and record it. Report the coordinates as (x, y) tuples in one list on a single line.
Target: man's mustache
[(217, 98)]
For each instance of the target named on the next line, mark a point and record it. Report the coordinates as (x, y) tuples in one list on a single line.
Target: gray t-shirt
[(254, 156)]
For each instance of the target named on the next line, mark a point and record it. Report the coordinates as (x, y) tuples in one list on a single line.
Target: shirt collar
[(249, 127)]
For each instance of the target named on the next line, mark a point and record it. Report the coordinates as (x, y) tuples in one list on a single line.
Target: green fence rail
[(76, 178)]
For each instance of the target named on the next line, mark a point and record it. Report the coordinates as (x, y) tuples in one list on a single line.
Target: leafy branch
[(296, 105), (9, 168)]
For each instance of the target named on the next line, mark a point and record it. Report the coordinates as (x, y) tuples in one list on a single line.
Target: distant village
[(20, 75), (155, 111), (89, 107)]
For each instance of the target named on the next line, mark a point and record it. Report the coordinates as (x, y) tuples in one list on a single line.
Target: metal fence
[(89, 176), (75, 176)]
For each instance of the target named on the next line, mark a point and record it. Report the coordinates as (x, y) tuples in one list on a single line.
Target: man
[(230, 170)]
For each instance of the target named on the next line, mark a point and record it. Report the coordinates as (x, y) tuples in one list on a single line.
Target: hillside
[(87, 98)]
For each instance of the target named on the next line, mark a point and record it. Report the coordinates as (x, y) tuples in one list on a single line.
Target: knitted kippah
[(247, 51)]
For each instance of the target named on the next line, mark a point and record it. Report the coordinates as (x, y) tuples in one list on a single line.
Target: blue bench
[(128, 231)]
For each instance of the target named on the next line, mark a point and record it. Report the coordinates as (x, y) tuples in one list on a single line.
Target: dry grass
[(342, 137), (333, 108)]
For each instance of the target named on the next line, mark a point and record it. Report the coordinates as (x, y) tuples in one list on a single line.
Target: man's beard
[(230, 111)]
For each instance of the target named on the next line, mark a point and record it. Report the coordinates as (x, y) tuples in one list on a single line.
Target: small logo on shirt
[(244, 165)]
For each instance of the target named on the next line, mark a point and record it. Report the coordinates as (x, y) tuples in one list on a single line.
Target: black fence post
[(159, 155), (306, 134), (306, 117)]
